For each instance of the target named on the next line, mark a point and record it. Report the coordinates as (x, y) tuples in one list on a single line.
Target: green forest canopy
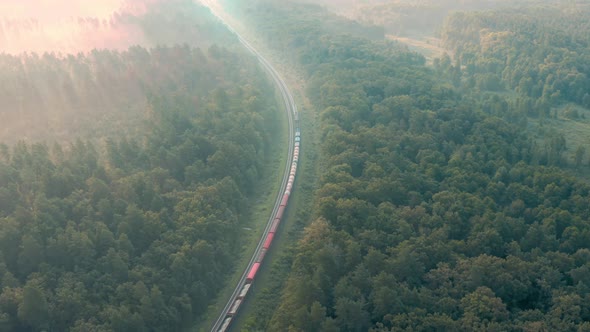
[(434, 211), (61, 97), (133, 231)]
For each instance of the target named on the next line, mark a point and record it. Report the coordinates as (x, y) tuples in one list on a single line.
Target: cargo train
[(251, 276)]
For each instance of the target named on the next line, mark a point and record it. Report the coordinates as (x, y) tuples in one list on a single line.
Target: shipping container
[(252, 273), (280, 212), (268, 241), (275, 225), (225, 325), (234, 308), (244, 291), (261, 255)]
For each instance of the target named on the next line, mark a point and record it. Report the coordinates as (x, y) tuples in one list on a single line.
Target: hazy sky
[(64, 25)]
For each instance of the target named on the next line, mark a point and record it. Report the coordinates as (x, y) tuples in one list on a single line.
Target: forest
[(529, 66), (434, 211), (540, 53), (132, 229), (56, 96), (414, 18), (451, 197)]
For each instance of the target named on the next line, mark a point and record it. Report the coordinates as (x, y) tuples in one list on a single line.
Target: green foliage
[(136, 234), (435, 210), (102, 93), (540, 52), (413, 18), (527, 65), (33, 310)]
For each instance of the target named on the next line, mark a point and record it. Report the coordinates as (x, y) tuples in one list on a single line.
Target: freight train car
[(234, 307), (244, 291), (252, 273), (225, 324)]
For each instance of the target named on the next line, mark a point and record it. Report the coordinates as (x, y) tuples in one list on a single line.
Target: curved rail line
[(226, 316)]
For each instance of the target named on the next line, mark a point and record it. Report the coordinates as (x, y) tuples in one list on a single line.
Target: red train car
[(268, 241), (252, 272)]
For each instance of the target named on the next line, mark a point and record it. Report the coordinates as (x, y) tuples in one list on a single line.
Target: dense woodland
[(436, 209), (541, 53), (528, 66), (132, 232), (61, 97), (414, 18), (433, 212)]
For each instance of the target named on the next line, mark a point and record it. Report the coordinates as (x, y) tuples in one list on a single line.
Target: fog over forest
[(68, 26), (443, 182)]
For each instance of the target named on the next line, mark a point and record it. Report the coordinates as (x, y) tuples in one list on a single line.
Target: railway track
[(225, 317)]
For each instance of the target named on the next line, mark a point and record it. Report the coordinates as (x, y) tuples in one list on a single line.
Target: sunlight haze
[(66, 26)]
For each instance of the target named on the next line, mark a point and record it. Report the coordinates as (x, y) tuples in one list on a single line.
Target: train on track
[(269, 236)]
